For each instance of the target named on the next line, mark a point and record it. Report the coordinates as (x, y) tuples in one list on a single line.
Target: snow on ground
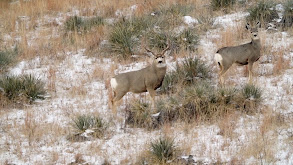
[(73, 74)]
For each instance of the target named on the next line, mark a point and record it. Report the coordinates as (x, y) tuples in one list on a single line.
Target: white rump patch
[(218, 58), (113, 83)]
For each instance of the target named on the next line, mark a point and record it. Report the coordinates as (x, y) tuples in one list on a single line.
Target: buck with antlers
[(146, 79), (245, 54)]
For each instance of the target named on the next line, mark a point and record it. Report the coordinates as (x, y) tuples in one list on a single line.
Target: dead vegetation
[(194, 111)]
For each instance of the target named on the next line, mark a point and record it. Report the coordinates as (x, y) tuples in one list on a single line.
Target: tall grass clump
[(79, 24), (7, 57), (287, 19), (139, 115), (251, 92), (163, 150), (90, 125), (218, 4), (155, 29), (123, 39), (27, 86), (190, 71), (203, 102), (189, 39), (264, 12)]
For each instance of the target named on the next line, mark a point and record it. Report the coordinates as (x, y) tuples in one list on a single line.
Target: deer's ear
[(247, 26)]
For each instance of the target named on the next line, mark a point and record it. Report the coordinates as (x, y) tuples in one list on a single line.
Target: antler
[(168, 47), (149, 51)]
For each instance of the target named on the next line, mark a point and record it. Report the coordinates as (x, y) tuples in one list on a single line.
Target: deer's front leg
[(153, 95), (250, 73)]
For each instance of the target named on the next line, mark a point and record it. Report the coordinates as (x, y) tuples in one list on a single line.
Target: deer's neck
[(159, 70), (256, 43)]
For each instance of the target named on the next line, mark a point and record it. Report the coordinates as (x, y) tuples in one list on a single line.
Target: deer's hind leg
[(117, 97), (222, 73)]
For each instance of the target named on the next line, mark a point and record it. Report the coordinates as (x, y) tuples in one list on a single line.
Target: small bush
[(122, 39), (95, 124), (18, 86), (251, 92), (33, 88), (158, 40), (80, 24), (191, 70), (139, 115), (7, 57), (163, 150), (264, 12), (287, 19), (205, 102), (218, 4), (189, 39)]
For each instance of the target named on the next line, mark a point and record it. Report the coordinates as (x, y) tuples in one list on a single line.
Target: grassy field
[(56, 58)]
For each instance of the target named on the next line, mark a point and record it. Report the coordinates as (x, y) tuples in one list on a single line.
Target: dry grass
[(227, 125), (51, 43), (233, 35)]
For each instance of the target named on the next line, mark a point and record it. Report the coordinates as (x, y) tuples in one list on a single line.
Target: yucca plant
[(191, 70), (159, 40), (96, 124), (73, 23), (264, 12), (163, 150), (12, 86), (76, 23), (251, 92), (33, 88), (7, 57), (27, 85), (122, 39), (188, 39), (139, 115)]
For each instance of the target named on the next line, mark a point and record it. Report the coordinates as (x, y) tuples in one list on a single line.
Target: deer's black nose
[(160, 61)]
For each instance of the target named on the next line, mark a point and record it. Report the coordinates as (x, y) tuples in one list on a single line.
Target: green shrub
[(157, 40), (189, 39), (218, 4), (190, 71), (122, 38), (80, 24), (12, 86), (251, 92), (287, 19), (7, 57), (18, 86), (139, 115), (264, 12), (95, 123), (203, 101), (163, 150)]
